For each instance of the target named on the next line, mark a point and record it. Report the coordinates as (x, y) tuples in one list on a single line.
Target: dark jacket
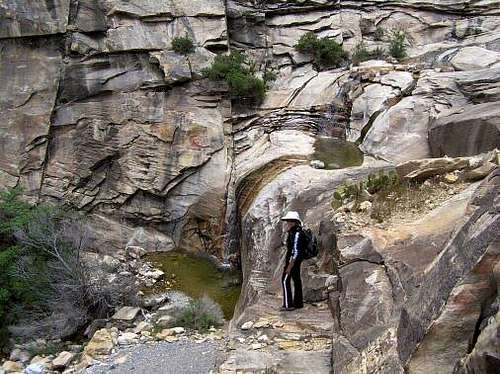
[(295, 244)]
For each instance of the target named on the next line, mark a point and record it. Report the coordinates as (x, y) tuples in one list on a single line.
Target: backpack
[(311, 249)]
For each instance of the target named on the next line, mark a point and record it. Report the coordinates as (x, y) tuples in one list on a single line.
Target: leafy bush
[(379, 33), (373, 184), (327, 53), (46, 288), (183, 45), (397, 44), (361, 53), (308, 43), (201, 314), (14, 215), (239, 74)]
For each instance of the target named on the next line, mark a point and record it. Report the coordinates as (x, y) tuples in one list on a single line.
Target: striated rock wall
[(99, 112)]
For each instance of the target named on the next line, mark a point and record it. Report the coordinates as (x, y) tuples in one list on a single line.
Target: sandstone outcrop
[(101, 114), (378, 320)]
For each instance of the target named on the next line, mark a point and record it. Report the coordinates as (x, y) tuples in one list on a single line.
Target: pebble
[(247, 325), (178, 330)]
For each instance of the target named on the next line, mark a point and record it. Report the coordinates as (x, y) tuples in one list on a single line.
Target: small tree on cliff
[(327, 53), (397, 44), (239, 73), (183, 45)]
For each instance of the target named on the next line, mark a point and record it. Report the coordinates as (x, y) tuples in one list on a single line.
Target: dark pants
[(295, 300)]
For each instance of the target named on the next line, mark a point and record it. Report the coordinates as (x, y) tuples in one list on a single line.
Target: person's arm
[(295, 253)]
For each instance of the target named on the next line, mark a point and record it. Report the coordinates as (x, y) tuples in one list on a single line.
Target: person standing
[(295, 247)]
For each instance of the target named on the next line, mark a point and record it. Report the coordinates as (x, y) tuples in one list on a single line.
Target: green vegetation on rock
[(372, 185), (14, 215), (46, 288), (183, 45), (397, 44), (361, 53), (239, 74), (327, 53)]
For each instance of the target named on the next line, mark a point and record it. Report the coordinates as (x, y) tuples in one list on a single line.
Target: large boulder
[(400, 133), (100, 345), (473, 58), (466, 131)]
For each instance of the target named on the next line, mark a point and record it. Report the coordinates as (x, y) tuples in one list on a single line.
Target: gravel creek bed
[(182, 357)]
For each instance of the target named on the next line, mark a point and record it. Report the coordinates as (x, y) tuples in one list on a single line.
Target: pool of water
[(196, 275), (337, 153)]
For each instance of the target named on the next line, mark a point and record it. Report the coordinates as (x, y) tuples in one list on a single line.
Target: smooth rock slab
[(466, 131), (474, 58), (28, 17), (63, 359), (127, 313), (400, 133)]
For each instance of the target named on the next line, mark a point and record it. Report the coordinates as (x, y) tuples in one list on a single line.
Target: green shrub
[(361, 53), (327, 53), (14, 213), (201, 314), (14, 216), (308, 43), (397, 44), (239, 74), (379, 33), (183, 45), (373, 184), (45, 287), (269, 76)]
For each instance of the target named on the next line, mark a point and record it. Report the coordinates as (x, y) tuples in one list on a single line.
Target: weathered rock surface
[(466, 131), (27, 18), (126, 313), (100, 345), (98, 112), (26, 104), (88, 119), (62, 360), (377, 317), (434, 122)]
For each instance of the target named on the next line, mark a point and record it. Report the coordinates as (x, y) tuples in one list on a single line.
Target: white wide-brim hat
[(292, 216)]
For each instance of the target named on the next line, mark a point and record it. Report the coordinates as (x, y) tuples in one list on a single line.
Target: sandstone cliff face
[(98, 112)]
